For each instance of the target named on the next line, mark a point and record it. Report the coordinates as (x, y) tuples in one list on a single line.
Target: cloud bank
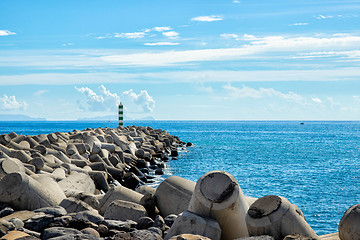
[(144, 101), (10, 103), (211, 18), (246, 92), (104, 101)]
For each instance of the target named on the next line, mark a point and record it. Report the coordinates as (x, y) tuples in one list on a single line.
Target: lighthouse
[(121, 115)]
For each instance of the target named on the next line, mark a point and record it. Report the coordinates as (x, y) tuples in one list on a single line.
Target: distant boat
[(301, 123)]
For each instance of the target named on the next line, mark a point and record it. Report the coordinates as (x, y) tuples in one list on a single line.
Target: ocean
[(315, 165)]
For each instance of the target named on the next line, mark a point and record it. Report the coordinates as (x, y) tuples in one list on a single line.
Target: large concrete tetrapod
[(173, 195), (349, 226), (24, 192), (277, 217), (218, 195), (191, 223)]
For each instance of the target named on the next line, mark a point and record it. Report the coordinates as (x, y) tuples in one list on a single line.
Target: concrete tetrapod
[(277, 217), (191, 223), (118, 193), (173, 195), (217, 195), (349, 226), (24, 192)]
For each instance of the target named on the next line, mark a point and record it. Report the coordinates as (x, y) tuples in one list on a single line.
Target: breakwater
[(100, 168)]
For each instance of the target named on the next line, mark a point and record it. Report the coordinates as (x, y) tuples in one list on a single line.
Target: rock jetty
[(95, 184)]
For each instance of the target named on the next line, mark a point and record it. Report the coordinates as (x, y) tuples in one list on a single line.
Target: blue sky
[(181, 60)]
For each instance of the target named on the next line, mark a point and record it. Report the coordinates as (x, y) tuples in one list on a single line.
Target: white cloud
[(211, 18), (10, 103), (299, 24), (131, 35), (98, 102), (40, 92), (267, 48), (6, 33), (144, 101), (161, 29), (317, 100), (162, 44), (171, 34), (323, 17), (110, 97), (246, 92), (236, 1), (229, 36)]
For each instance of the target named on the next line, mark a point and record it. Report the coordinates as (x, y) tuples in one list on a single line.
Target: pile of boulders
[(81, 184)]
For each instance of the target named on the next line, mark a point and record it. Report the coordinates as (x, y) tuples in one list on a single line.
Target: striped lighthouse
[(121, 115)]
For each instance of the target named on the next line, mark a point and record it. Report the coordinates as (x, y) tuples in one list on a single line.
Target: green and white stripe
[(121, 115)]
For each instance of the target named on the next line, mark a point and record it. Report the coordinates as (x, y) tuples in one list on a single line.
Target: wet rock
[(159, 171), (174, 153)]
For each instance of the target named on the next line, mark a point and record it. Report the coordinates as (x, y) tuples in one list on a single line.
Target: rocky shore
[(94, 184)]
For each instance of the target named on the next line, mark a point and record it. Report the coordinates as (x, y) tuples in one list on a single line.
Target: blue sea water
[(315, 165)]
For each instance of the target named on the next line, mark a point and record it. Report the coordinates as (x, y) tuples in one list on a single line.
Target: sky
[(181, 60)]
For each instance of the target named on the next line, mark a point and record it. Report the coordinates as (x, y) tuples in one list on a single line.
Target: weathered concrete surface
[(173, 195), (277, 217), (124, 210), (330, 236), (118, 193), (25, 193), (81, 182), (191, 223), (218, 195), (349, 226)]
